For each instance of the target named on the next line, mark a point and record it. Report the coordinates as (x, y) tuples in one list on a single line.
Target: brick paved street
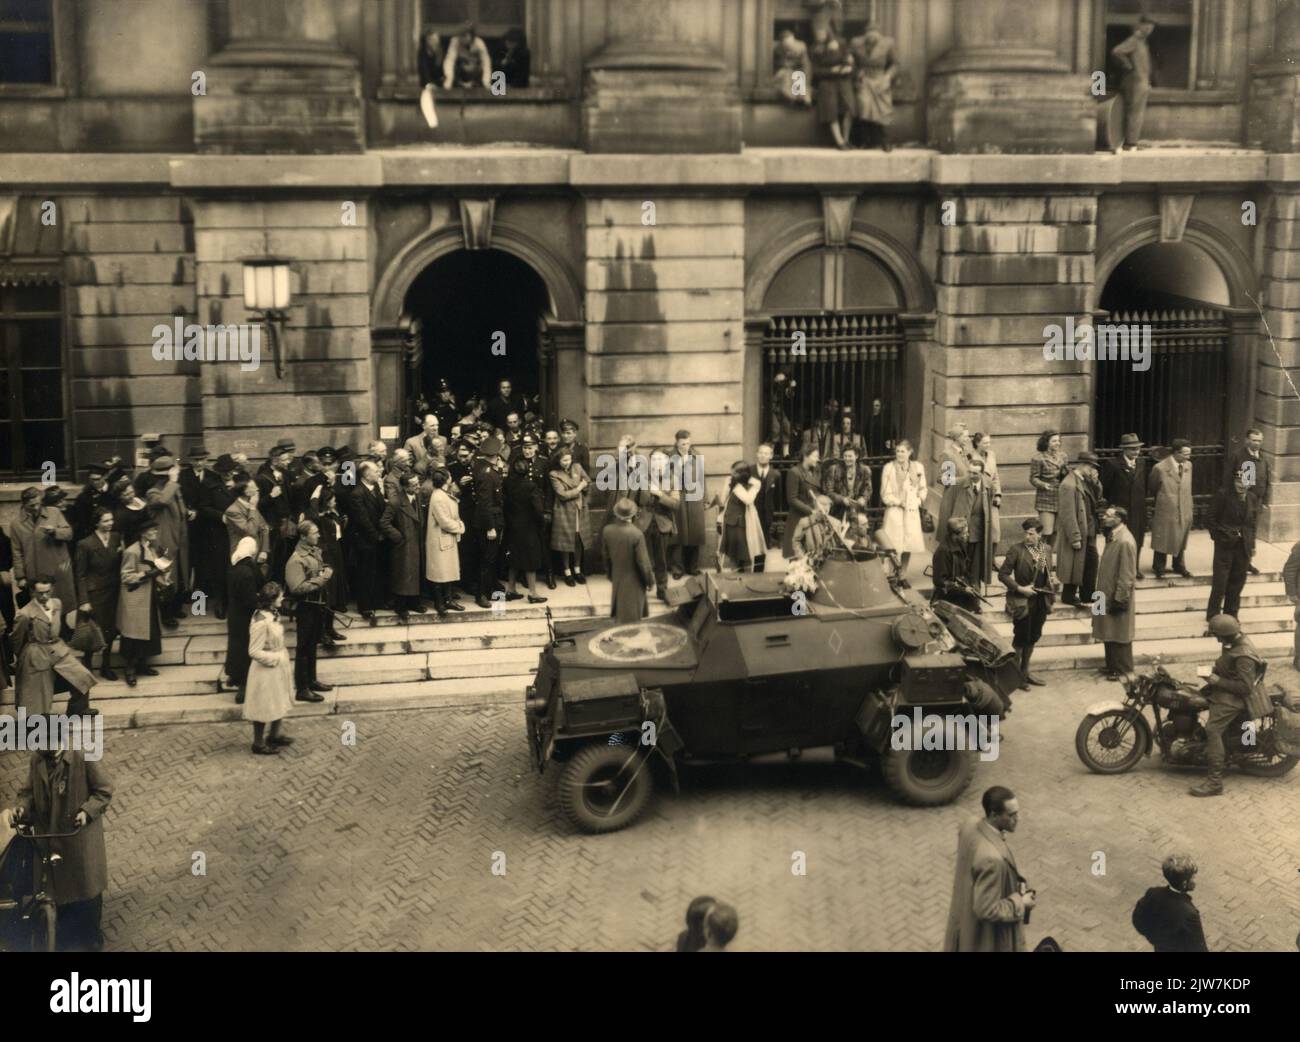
[(390, 844)]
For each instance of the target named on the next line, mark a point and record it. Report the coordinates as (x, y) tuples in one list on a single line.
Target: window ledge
[(32, 90), (482, 96), (1179, 96)]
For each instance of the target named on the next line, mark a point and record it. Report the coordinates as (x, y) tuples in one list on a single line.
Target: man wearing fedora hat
[(275, 484), (1076, 530), (1171, 519), (1124, 484), (204, 494), (627, 563), (94, 496)]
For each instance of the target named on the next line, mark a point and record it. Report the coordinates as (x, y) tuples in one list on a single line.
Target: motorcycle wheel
[(1112, 742), (1268, 762)]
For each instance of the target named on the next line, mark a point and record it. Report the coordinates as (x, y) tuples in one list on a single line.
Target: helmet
[(1224, 626)]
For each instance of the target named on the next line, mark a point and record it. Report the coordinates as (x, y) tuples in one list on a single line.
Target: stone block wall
[(1277, 401), (129, 266), (323, 397), (1008, 266)]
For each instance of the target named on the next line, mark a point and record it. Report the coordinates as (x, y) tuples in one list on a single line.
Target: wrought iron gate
[(1183, 395)]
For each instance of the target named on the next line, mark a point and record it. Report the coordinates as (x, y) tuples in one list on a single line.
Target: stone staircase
[(486, 657)]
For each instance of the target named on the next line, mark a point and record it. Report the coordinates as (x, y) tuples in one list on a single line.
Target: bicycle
[(32, 919)]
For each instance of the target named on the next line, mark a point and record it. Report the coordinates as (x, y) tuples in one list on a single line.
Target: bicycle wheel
[(44, 928)]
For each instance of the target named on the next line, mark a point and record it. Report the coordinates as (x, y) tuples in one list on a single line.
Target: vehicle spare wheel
[(604, 788), (928, 777)]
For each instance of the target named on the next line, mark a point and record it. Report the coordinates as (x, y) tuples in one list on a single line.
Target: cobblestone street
[(390, 844)]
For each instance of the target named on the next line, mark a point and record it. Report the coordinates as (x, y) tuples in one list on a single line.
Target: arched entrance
[(1198, 383), (480, 315)]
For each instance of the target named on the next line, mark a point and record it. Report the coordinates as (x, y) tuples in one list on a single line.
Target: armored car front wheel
[(928, 777), (604, 788)]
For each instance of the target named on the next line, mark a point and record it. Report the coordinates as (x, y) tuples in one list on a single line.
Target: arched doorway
[(1197, 381), (480, 316)]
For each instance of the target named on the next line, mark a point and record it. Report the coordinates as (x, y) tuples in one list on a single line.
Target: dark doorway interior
[(463, 301)]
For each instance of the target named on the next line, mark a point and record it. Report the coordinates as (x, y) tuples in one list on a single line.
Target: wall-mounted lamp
[(266, 294)]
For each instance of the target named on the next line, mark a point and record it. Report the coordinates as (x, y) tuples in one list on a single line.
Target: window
[(1172, 42), (31, 379), (494, 19), (851, 18), (27, 41)]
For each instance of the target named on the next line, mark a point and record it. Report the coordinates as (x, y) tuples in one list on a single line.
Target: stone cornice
[(752, 169)]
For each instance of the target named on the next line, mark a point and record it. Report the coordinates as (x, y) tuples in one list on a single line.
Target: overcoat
[(694, 493), (402, 523), (959, 501), (767, 500), (1128, 489), (37, 553), (1116, 575), (83, 872), (902, 491), (135, 603), (1171, 519), (441, 560), (242, 583), (40, 654), (207, 549), (987, 910), (627, 563), (570, 516), (801, 489), (525, 507), (167, 507), (99, 577), (1074, 521), (269, 692)]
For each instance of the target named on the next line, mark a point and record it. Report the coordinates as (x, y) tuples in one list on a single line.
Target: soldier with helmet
[(1237, 683)]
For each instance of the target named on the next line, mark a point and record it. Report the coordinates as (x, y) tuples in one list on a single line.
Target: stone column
[(282, 84), (1001, 89), (1009, 266), (1273, 114), (1277, 401), (660, 84)]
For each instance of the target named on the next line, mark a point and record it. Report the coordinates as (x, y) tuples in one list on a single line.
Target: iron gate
[(1183, 395)]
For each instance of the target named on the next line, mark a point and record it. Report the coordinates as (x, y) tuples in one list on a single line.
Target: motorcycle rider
[(1236, 683)]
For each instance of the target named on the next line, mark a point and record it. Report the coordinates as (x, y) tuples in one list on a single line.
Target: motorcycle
[(1114, 736)]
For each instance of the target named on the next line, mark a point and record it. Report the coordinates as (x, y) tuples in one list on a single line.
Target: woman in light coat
[(146, 582), (268, 697), (902, 490), (443, 532), (741, 530)]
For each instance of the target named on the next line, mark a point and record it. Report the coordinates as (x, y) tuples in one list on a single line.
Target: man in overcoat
[(42, 546), (1124, 483), (65, 791), (1076, 532), (972, 498), (40, 653), (1256, 472), (402, 523), (1233, 514), (1113, 622), (802, 486), (766, 502), (627, 563), (657, 510), (690, 483), (204, 494), (989, 896), (489, 515), (1171, 520), (306, 576)]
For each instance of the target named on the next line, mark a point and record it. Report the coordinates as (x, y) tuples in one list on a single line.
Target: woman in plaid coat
[(1046, 469), (569, 517)]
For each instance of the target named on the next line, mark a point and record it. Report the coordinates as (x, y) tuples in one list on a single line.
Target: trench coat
[(441, 558), (99, 578), (694, 494), (1171, 520), (83, 872), (1128, 489), (40, 654), (987, 912), (402, 523), (1116, 575), (958, 501), (167, 507), (135, 607), (627, 563), (37, 554), (1073, 521)]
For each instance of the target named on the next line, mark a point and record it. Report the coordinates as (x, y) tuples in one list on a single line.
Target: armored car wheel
[(928, 777), (604, 788)]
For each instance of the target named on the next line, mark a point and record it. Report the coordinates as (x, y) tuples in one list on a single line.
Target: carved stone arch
[(898, 260), (1232, 261), (562, 287)]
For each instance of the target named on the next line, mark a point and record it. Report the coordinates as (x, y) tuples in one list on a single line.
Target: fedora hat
[(199, 452), (625, 509), (162, 464), (1087, 457), (1130, 440)]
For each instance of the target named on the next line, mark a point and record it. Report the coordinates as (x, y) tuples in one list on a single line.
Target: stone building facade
[(648, 223)]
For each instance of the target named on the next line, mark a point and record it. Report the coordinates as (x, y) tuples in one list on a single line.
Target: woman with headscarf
[(270, 677), (147, 568), (243, 581), (525, 506)]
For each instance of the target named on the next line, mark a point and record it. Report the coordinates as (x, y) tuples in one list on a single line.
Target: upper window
[(849, 20), (31, 380), (1171, 43), (499, 24), (27, 41)]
